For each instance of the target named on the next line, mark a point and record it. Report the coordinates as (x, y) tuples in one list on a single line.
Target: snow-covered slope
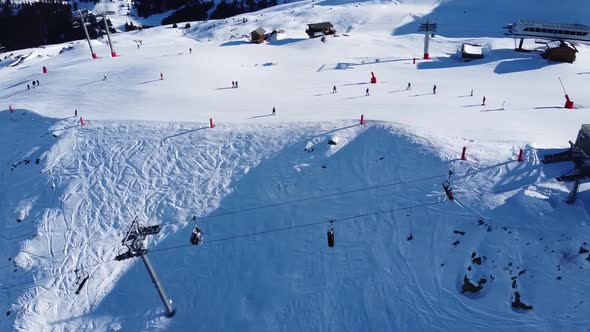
[(264, 187)]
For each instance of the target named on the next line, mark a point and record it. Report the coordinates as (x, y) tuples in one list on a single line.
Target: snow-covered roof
[(558, 43), (259, 31), (542, 24), (472, 49)]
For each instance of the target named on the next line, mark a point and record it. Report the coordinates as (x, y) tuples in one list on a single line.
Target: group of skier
[(408, 88), (35, 83)]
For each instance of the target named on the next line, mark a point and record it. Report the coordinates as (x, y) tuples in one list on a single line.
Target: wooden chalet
[(320, 29), (258, 35), (560, 51)]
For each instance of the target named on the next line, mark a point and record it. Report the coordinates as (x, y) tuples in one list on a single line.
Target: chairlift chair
[(331, 235), (196, 236), (447, 187)]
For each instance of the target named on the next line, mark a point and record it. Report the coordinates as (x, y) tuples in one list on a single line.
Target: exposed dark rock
[(521, 272), (410, 237), (469, 287), (476, 260), (456, 243), (519, 304), (459, 232), (583, 250)]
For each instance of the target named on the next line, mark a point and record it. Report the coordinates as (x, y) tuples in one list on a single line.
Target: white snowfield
[(265, 187)]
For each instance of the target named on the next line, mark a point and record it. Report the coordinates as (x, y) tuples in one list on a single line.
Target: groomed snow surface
[(264, 188)]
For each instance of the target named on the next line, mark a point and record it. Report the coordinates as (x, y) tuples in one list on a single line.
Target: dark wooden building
[(583, 140), (258, 35), (560, 51), (320, 29)]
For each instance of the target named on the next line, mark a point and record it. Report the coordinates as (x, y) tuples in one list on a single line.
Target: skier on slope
[(334, 89), (274, 111)]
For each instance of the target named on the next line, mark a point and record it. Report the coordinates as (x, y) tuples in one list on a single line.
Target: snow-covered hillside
[(265, 187)]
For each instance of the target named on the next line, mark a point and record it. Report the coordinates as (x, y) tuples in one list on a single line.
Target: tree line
[(26, 25)]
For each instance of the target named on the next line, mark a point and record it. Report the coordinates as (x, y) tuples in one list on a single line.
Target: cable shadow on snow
[(91, 82), (184, 133), (15, 93), (509, 61), (73, 63), (20, 82), (351, 65), (359, 83), (151, 81), (235, 43), (333, 131), (261, 116), (362, 96)]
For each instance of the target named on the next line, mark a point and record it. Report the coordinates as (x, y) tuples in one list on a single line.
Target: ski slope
[(264, 188)]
